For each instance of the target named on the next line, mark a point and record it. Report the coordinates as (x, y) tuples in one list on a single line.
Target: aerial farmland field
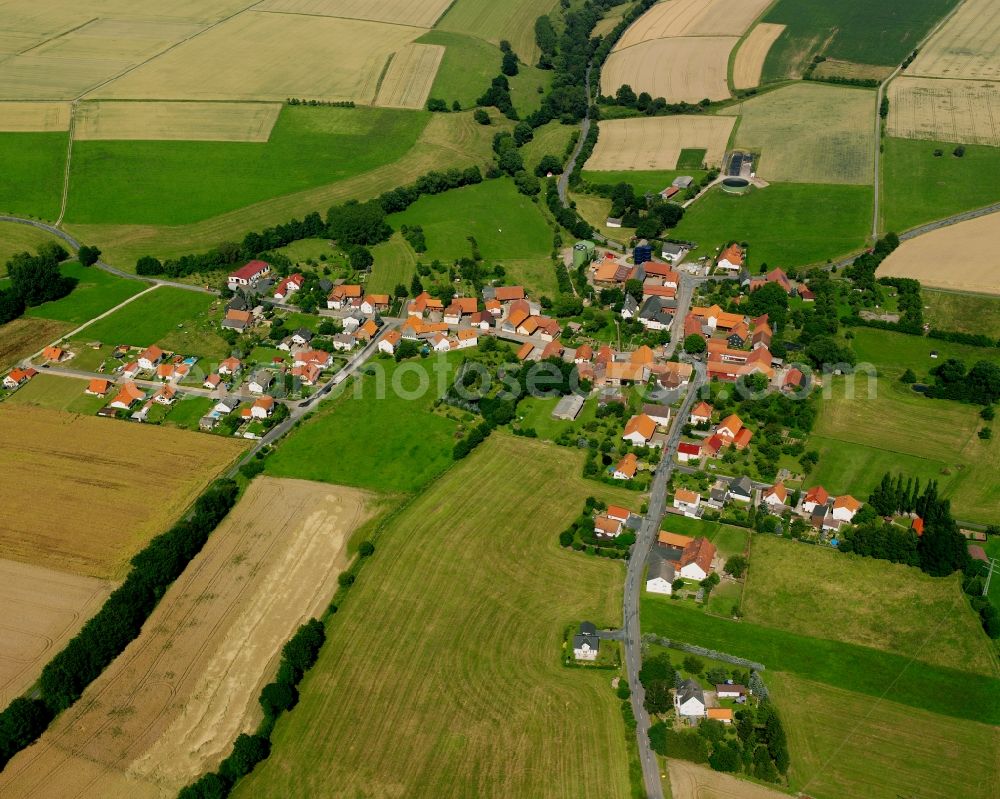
[(800, 143), (180, 121), (966, 46), (938, 109), (42, 609), (19, 238), (417, 13), (407, 651), (513, 20), (20, 338), (655, 143), (751, 54), (408, 80), (33, 173), (101, 466), (33, 117), (174, 701)]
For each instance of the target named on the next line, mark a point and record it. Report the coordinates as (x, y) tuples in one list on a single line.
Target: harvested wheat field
[(967, 46), (33, 117), (656, 142), (262, 56), (687, 69), (109, 486), (419, 13), (750, 57), (964, 111), (42, 609), (691, 781), (834, 68), (180, 121), (950, 257), (800, 141), (410, 75), (693, 18), (171, 705)]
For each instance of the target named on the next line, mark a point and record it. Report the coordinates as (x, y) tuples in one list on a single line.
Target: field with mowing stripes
[(408, 80), (172, 703), (394, 265), (420, 691)]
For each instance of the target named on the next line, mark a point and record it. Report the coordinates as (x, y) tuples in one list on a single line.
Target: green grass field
[(390, 444), (16, 238), (524, 88), (513, 20), (188, 412), (843, 746), (782, 223), (468, 66), (175, 319), (874, 603), (185, 182), (33, 166), (849, 30), (96, 291), (966, 313), (893, 353), (643, 182), (441, 674), (58, 394), (394, 264), (868, 671), (919, 188), (505, 223), (900, 431), (552, 138)]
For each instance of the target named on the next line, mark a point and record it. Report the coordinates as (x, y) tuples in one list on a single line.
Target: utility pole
[(989, 575)]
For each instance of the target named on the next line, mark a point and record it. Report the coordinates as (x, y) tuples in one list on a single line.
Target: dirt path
[(690, 781), (170, 706)]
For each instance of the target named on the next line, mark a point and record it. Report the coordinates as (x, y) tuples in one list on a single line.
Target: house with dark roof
[(586, 644), (689, 700), (741, 488), (630, 307), (654, 314), (660, 574)]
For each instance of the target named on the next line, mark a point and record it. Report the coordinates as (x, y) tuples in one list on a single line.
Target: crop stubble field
[(108, 486), (441, 675), (966, 111), (967, 46), (183, 121), (170, 706), (950, 257), (33, 117), (692, 781), (42, 609), (799, 141), (653, 143), (418, 13), (408, 80), (680, 50), (753, 51)]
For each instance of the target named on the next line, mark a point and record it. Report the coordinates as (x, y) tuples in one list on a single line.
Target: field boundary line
[(381, 76), (68, 162), (52, 38), (339, 16)]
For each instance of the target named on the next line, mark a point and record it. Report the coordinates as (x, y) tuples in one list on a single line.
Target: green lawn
[(187, 411), (58, 394), (394, 264), (468, 66), (505, 223), (175, 319), (782, 223), (868, 671), (32, 180), (524, 88), (691, 158), (419, 692), (536, 413), (96, 291), (646, 181), (850, 30), (552, 138), (893, 352), (966, 313), (184, 182), (386, 443), (918, 187), (806, 589)]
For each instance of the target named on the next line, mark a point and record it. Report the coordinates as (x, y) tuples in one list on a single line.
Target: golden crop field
[(967, 46), (832, 68), (656, 142), (408, 80), (108, 486), (172, 703), (26, 335), (966, 111), (692, 18), (950, 257), (42, 609), (168, 121), (441, 674), (845, 745), (418, 13), (751, 54), (263, 56), (687, 68), (800, 141), (33, 117), (692, 781)]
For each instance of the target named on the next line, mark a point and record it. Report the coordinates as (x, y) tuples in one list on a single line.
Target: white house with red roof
[(687, 451), (844, 508), (248, 274), (288, 286), (775, 496), (150, 357), (815, 497)]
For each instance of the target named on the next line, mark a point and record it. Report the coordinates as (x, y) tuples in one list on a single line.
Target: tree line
[(35, 279), (116, 624)]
